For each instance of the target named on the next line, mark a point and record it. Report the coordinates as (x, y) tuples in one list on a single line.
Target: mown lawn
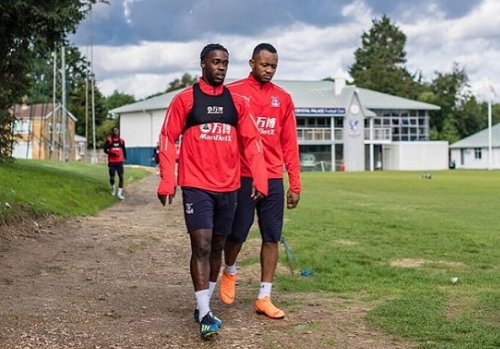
[(48, 187), (395, 240)]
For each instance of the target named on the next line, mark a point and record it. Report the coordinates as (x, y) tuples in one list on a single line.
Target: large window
[(406, 125)]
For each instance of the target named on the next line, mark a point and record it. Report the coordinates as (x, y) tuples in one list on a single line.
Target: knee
[(218, 244), (201, 250)]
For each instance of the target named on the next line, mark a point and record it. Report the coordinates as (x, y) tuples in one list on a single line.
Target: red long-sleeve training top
[(274, 113), (210, 157)]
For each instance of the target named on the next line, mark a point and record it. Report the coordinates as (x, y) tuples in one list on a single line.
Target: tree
[(118, 99), (460, 114), (380, 61), (25, 25), (185, 81)]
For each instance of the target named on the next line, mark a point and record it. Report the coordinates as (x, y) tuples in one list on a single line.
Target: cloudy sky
[(139, 46)]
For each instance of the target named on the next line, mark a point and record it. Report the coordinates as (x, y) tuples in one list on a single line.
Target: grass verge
[(395, 240), (63, 189)]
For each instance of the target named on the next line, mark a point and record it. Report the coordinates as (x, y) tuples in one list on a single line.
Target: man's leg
[(270, 213), (198, 214), (112, 171), (268, 260), (120, 171), (201, 241), (218, 242), (243, 220)]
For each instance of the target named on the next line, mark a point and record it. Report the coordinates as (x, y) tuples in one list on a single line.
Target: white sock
[(203, 302), (231, 269), (265, 289), (120, 191), (211, 288)]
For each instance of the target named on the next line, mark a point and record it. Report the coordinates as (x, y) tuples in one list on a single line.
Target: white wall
[(141, 129), (20, 150), (470, 161), (415, 156)]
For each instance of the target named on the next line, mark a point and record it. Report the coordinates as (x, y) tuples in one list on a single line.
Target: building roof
[(40, 110), (480, 139), (307, 95)]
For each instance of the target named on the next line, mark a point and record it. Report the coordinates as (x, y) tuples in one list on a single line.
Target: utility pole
[(92, 82), (53, 121), (63, 99)]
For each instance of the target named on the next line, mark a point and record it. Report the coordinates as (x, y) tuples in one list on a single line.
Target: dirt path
[(120, 279)]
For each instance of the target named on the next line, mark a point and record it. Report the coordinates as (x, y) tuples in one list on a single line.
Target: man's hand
[(163, 198), (292, 199), (256, 195)]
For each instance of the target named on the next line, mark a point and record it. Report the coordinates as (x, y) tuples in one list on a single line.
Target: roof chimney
[(341, 78)]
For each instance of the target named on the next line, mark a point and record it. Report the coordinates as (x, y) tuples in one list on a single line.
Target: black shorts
[(205, 209), (115, 167), (269, 212)]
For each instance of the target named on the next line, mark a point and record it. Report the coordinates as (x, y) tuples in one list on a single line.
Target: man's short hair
[(263, 47), (211, 47)]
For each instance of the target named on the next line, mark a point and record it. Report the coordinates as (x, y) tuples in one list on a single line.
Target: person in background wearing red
[(117, 154), (215, 125), (274, 111)]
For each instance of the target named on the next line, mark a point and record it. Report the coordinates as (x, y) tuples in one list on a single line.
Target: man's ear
[(251, 63), (203, 64)]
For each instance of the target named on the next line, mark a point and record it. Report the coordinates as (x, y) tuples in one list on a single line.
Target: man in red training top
[(215, 125), (115, 148), (274, 111)]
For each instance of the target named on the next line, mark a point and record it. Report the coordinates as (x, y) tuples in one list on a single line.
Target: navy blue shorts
[(269, 212), (205, 209), (115, 167)]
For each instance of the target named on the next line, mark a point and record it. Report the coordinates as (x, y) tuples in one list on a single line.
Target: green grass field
[(394, 240), (48, 187)]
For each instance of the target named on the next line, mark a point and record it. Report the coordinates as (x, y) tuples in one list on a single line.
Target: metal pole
[(489, 135), (86, 109), (63, 99), (372, 160), (53, 119), (94, 152), (92, 78)]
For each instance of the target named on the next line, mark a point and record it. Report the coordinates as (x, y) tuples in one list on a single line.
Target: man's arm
[(124, 150), (106, 146), (290, 148), (175, 120), (251, 147)]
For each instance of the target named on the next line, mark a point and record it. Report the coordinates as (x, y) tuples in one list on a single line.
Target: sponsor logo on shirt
[(266, 125), (215, 110), (275, 102), (216, 131), (189, 208)]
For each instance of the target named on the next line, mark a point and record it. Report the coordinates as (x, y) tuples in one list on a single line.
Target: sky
[(140, 46)]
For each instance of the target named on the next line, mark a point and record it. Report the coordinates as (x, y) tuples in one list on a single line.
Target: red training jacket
[(209, 155), (274, 112), (115, 148)]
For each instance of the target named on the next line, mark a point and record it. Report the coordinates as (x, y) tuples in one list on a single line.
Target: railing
[(379, 134), (319, 134)]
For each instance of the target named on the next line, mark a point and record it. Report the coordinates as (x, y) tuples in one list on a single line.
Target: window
[(22, 126), (301, 122), (478, 153), (81, 148), (338, 122)]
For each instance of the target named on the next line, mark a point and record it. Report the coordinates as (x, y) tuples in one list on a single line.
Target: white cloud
[(308, 52)]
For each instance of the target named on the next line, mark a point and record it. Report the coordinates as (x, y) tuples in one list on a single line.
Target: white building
[(340, 127), (472, 152)]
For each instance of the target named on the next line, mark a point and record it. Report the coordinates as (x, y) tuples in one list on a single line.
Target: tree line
[(380, 65)]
